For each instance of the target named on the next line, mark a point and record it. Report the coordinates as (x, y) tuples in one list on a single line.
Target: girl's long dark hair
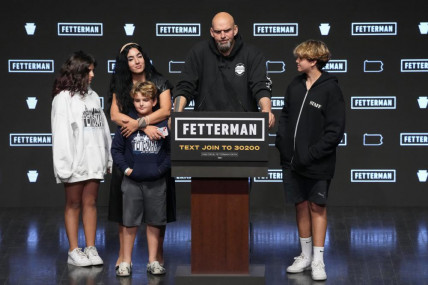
[(73, 75), (121, 80)]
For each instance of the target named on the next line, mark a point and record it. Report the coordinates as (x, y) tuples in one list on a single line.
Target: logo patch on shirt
[(240, 69)]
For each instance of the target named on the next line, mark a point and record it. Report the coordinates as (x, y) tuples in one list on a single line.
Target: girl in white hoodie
[(81, 151)]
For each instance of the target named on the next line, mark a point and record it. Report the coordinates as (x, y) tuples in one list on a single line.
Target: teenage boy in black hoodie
[(311, 126)]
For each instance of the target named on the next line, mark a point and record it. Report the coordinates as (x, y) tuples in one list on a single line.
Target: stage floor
[(364, 245)]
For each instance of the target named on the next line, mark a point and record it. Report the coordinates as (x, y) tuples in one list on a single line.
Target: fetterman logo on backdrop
[(277, 103), (374, 29), (414, 139), (373, 175), (27, 139), (336, 66), (414, 65), (80, 29), (178, 30), (111, 64), (374, 102), (31, 65), (275, 29), (274, 175)]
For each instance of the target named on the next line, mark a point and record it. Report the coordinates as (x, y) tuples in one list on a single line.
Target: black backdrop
[(373, 136)]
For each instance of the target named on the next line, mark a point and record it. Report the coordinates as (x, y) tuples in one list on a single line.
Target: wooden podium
[(219, 151), (220, 219)]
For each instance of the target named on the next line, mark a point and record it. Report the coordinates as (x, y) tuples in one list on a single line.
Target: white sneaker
[(124, 269), (78, 258), (93, 256), (155, 268), (318, 271), (148, 266), (300, 264)]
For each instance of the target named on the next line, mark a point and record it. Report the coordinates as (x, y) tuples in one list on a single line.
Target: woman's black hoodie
[(311, 126)]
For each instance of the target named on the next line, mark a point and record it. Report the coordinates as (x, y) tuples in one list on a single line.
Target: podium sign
[(219, 151), (219, 144)]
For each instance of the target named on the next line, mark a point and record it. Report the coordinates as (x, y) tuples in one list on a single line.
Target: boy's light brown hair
[(313, 50), (146, 88)]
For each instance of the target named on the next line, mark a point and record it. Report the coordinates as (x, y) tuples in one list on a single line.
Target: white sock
[(319, 253), (306, 244)]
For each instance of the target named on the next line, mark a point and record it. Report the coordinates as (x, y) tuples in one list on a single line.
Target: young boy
[(146, 165)]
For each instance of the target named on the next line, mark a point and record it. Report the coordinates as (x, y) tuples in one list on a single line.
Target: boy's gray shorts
[(144, 202)]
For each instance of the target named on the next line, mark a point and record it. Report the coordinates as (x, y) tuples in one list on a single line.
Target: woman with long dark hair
[(133, 65), (81, 144)]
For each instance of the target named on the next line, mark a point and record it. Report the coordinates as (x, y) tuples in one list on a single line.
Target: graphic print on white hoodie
[(93, 118)]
